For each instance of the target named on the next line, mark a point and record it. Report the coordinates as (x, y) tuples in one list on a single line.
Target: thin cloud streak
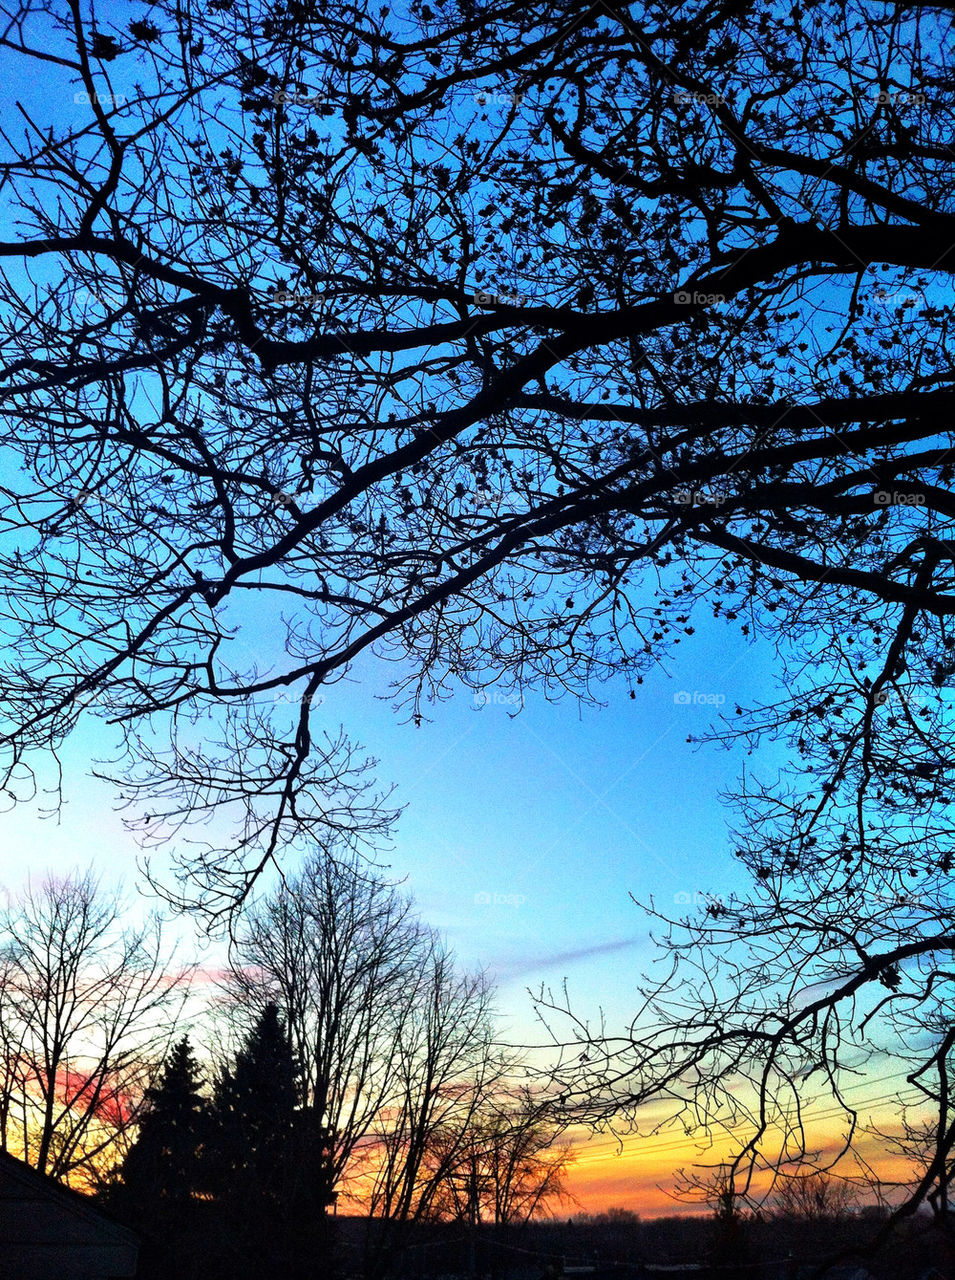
[(519, 966)]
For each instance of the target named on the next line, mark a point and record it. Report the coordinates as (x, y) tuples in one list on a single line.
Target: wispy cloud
[(521, 966)]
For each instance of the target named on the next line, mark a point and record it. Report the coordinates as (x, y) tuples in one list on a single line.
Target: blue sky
[(523, 834), (522, 838)]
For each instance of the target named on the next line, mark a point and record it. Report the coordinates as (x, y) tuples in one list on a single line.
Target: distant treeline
[(777, 1247)]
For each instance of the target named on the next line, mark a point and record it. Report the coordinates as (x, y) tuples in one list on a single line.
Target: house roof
[(47, 1229)]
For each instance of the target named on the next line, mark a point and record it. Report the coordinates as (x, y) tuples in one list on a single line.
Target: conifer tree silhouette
[(270, 1162), (162, 1186), (164, 1164)]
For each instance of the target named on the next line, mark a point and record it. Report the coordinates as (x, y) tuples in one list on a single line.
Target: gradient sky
[(524, 834), (523, 838)]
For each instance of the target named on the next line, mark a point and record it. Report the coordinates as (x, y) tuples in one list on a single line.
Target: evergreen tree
[(162, 1179), (255, 1107), (270, 1164), (165, 1162)]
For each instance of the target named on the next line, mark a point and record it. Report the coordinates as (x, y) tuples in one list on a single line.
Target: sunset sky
[(528, 830), (523, 838)]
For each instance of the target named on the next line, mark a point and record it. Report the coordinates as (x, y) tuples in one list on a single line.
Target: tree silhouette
[(446, 1062), (218, 415), (394, 1048), (503, 341), (165, 1162), (255, 1104), (508, 1163), (730, 1248), (814, 1197), (86, 1002), (925, 1138), (164, 1173), (270, 1166), (339, 948), (380, 1019)]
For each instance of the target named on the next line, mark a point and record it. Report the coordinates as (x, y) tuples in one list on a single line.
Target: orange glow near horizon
[(641, 1176)]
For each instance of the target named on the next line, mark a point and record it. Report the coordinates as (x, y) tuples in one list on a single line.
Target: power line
[(676, 1144), (665, 1143)]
